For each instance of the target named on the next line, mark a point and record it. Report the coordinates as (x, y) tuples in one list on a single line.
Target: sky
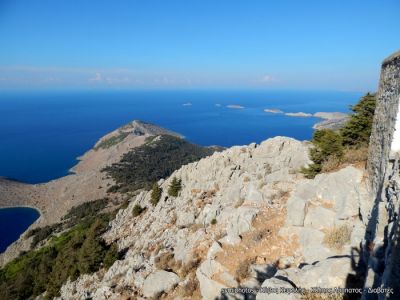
[(160, 44)]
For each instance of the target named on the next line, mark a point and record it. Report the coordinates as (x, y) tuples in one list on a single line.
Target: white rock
[(319, 218), (158, 282), (295, 211), (311, 241)]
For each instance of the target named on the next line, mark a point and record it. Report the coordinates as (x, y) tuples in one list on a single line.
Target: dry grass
[(189, 288), (332, 164), (239, 203), (195, 191), (243, 270), (337, 237), (165, 261), (315, 296), (351, 156), (262, 245)]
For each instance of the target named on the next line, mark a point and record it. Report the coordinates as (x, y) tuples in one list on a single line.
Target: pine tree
[(175, 187), (155, 194), (357, 130)]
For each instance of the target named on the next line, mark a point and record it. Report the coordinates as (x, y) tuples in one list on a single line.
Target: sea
[(43, 133)]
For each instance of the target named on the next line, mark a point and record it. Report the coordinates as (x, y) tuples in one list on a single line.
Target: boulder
[(185, 218), (159, 282), (319, 218), (254, 196), (240, 222), (330, 272), (209, 289), (295, 211), (270, 290), (312, 248)]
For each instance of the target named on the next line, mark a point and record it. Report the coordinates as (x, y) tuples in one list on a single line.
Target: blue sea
[(13, 222), (42, 133)]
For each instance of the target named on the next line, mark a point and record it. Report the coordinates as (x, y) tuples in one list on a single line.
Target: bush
[(243, 270), (348, 145), (213, 221), (175, 187), (327, 144), (337, 237), (155, 194), (165, 261), (357, 130), (137, 210)]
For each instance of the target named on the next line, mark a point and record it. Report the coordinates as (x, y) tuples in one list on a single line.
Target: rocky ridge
[(245, 217)]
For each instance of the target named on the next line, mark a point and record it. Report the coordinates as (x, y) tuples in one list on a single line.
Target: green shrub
[(175, 187), (155, 194), (333, 148), (214, 221), (137, 210), (326, 144), (357, 130)]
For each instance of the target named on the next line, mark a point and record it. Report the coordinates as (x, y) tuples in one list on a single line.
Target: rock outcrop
[(245, 218)]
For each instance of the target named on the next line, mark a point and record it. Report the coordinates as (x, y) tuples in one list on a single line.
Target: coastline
[(24, 206)]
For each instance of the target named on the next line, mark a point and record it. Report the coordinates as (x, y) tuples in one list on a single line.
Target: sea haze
[(42, 133)]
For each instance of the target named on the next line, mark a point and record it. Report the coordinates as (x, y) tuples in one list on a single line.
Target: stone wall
[(384, 122), (381, 249)]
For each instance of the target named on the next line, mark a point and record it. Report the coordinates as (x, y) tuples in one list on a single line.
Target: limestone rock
[(158, 282)]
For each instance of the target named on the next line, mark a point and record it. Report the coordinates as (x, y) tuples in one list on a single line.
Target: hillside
[(88, 183), (244, 217)]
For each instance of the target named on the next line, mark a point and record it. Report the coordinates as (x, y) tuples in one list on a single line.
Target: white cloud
[(96, 78), (267, 79)]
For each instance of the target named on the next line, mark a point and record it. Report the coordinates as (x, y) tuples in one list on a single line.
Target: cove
[(13, 222)]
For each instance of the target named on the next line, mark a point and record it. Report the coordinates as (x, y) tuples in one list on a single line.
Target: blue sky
[(285, 44)]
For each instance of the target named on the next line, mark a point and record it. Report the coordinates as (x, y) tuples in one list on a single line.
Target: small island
[(235, 106), (299, 114), (273, 111)]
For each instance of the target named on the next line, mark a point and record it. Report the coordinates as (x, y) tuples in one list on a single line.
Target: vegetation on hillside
[(75, 215), (175, 187), (111, 141), (156, 159), (332, 149), (73, 247), (137, 210), (77, 251), (156, 192)]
